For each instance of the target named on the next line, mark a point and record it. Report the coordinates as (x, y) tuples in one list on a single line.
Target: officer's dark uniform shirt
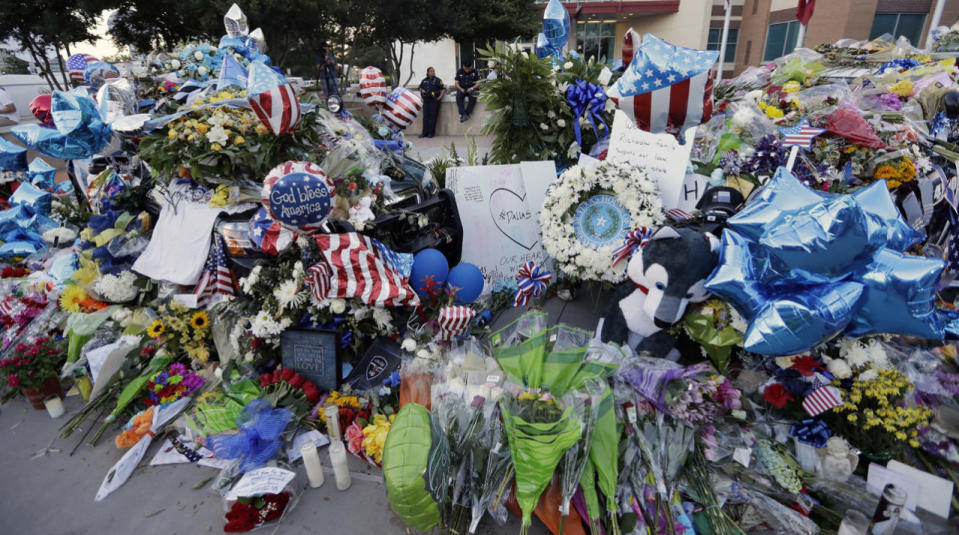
[(467, 79), (431, 87)]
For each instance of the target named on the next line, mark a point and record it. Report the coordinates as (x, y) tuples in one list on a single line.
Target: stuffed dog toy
[(665, 275)]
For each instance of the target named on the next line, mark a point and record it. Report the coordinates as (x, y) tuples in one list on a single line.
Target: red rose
[(296, 381), (806, 365), (255, 343), (266, 379), (13, 380), (238, 526), (777, 395), (347, 416), (286, 374)]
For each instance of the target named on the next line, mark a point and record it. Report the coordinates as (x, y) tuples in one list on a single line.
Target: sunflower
[(156, 329), (200, 320), (71, 297)]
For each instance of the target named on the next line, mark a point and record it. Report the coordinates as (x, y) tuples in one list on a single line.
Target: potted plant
[(34, 368)]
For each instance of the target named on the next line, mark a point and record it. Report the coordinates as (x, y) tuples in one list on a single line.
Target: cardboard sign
[(501, 204), (662, 157), (312, 354)]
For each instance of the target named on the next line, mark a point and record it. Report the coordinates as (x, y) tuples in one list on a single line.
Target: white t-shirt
[(4, 101)]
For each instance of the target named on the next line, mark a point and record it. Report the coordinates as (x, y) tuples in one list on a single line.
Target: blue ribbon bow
[(259, 437), (531, 281), (812, 431), (589, 98)]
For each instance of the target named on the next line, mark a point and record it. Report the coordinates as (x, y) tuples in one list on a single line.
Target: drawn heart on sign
[(512, 217)]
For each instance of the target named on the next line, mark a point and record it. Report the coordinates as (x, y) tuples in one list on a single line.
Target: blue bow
[(259, 437), (813, 432), (587, 97)]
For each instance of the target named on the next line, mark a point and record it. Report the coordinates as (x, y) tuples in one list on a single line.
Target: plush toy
[(665, 275)]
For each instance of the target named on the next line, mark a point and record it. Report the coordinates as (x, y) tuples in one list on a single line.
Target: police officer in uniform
[(467, 83), (432, 90)]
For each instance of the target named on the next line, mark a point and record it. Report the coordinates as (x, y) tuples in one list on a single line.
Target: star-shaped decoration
[(800, 135)]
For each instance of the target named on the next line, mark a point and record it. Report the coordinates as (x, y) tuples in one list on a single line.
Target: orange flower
[(141, 426)]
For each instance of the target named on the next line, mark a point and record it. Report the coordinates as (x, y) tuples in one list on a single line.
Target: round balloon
[(402, 107), (298, 195), (466, 280), (40, 108), (99, 72), (373, 87), (430, 270)]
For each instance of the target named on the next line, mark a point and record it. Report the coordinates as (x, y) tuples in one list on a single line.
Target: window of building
[(780, 39), (596, 39), (908, 25), (715, 39)]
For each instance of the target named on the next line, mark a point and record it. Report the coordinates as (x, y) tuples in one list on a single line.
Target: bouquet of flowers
[(246, 514), (181, 329), (169, 385), (286, 388)]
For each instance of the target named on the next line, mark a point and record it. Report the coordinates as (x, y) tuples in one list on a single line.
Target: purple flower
[(727, 395)]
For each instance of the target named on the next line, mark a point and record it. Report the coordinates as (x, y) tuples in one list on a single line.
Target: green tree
[(10, 64), (45, 29)]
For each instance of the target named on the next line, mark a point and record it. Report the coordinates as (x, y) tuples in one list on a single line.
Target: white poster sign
[(266, 480), (662, 157), (499, 206)]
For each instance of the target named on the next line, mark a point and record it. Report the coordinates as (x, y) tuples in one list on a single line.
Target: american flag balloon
[(354, 266), (402, 107), (373, 87), (666, 88), (98, 72), (217, 279), (77, 65), (630, 41), (298, 195), (453, 320), (272, 98)]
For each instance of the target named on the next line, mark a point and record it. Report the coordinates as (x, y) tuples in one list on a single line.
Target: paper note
[(293, 452), (267, 480), (878, 477), (661, 156), (935, 492)]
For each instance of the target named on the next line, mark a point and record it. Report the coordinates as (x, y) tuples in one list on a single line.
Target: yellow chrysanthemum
[(200, 320), (156, 329), (202, 128), (216, 147), (774, 113), (261, 129), (70, 298), (375, 436)]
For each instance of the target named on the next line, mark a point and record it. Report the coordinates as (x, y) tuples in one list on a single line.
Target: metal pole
[(722, 43), (934, 23), (801, 36)]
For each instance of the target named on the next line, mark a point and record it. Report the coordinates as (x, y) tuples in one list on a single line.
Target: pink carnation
[(354, 437)]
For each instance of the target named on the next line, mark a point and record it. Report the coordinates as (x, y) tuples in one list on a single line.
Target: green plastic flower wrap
[(405, 457)]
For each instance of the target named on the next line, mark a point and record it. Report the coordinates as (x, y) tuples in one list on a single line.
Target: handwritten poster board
[(662, 157), (500, 204), (312, 354)]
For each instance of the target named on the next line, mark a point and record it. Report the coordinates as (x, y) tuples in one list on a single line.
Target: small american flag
[(355, 267), (666, 88), (401, 262), (821, 400), (273, 99), (800, 135), (677, 214), (77, 65), (630, 41), (217, 279)]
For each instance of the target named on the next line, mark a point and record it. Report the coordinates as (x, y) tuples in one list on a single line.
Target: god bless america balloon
[(298, 195)]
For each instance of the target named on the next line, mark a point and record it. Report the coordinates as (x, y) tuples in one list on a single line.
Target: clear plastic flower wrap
[(353, 155), (261, 498), (778, 517)]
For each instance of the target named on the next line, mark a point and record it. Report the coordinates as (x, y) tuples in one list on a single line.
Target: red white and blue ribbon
[(637, 238), (531, 281)]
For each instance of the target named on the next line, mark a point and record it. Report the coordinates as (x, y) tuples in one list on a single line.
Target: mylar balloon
[(235, 22), (259, 40), (12, 157), (40, 108), (373, 87), (115, 99), (41, 174), (556, 25), (402, 107), (543, 50), (97, 73), (80, 131), (272, 98), (299, 195)]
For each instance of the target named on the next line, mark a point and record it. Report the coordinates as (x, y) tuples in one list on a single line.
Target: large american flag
[(217, 279), (272, 98), (77, 65), (666, 88), (353, 266), (800, 135)]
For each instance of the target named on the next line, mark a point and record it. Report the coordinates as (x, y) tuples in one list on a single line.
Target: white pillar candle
[(341, 469), (54, 406), (332, 421), (311, 461)]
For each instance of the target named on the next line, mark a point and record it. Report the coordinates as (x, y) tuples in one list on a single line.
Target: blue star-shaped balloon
[(800, 135), (556, 25), (803, 266)]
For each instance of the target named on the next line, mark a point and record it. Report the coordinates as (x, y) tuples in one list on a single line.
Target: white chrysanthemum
[(855, 353), (217, 134), (868, 375), (877, 355), (382, 317), (337, 306), (409, 345), (839, 368), (288, 295)]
